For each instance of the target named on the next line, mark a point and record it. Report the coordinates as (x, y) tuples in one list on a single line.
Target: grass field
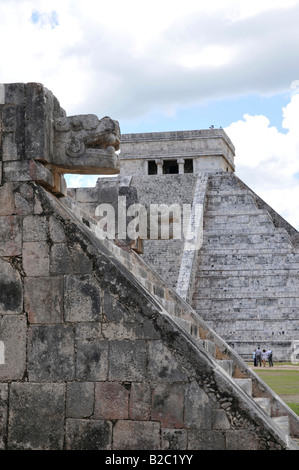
[(285, 383)]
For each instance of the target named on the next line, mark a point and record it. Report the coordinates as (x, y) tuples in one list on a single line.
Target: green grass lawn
[(285, 383)]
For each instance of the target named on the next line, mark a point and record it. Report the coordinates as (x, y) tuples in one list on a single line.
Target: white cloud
[(267, 160), (130, 58), (127, 58)]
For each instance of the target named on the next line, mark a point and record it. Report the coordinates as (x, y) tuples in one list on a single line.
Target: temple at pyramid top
[(178, 152)]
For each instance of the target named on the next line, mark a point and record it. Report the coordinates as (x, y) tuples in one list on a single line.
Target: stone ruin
[(101, 348)]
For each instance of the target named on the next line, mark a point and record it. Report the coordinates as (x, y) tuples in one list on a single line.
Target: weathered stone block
[(127, 360), (168, 405), (174, 439), (36, 418), (220, 420), (140, 401), (10, 236), (7, 206), (79, 399), (56, 231), (36, 258), (13, 336), (80, 263), (163, 365), (82, 298), (43, 299), (11, 289), (241, 439), (14, 93), (114, 311), (206, 440), (35, 228), (111, 401), (88, 434), (3, 414), (51, 353), (92, 360), (89, 331), (60, 260), (198, 412), (16, 171), (122, 331), (24, 199), (136, 435)]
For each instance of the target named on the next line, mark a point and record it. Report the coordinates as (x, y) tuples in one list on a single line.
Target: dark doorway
[(170, 167)]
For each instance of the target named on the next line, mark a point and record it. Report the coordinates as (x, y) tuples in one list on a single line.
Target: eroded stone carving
[(39, 142), (88, 141)]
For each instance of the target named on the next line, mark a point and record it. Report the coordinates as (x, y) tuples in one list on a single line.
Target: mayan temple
[(128, 309)]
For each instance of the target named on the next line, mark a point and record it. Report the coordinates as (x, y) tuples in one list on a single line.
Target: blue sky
[(220, 113), (167, 65)]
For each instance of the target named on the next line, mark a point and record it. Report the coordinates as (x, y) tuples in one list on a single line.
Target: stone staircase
[(228, 366), (186, 319)]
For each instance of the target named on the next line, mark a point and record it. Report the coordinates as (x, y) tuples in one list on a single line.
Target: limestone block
[(43, 299), (13, 93), (39, 102), (162, 365), (79, 399), (115, 312), (11, 289), (206, 440), (241, 439), (24, 199), (111, 401), (35, 228), (80, 263), (127, 360), (51, 355), (122, 331), (140, 401), (16, 171), (136, 435), (174, 439), (220, 420), (13, 336), (82, 298), (56, 231), (36, 258), (198, 411), (83, 434), (7, 206), (13, 132), (168, 405), (36, 419), (10, 236), (60, 260), (3, 414), (92, 359)]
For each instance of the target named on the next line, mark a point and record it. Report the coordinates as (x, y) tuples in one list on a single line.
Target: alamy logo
[(153, 222), (295, 352), (2, 355)]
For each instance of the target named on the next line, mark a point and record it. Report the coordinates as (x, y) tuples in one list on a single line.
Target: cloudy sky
[(168, 65)]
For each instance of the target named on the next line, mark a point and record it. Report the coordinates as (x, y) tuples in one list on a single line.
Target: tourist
[(264, 357), (258, 356), (270, 356), (254, 359)]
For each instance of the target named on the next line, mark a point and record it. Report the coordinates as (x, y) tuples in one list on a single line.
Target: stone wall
[(91, 360)]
